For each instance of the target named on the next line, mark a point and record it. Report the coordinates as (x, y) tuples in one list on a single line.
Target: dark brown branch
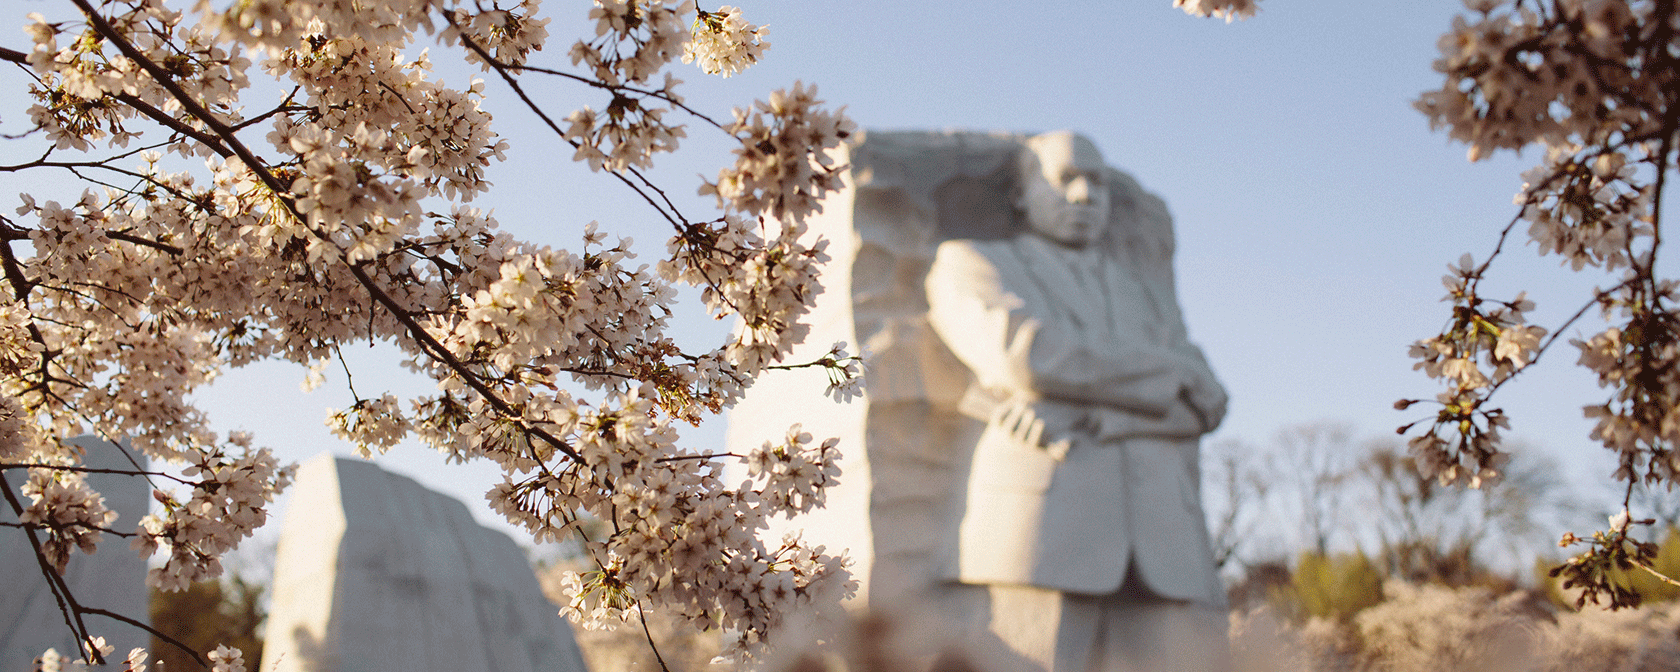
[(93, 470), (173, 124), (87, 526), (61, 592), (154, 632), (284, 106), (702, 457), (642, 614), (102, 164), (21, 287), (661, 95), (147, 242)]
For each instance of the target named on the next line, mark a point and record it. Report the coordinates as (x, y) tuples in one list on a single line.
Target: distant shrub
[(1434, 627), (207, 614), (1630, 640), (1335, 586)]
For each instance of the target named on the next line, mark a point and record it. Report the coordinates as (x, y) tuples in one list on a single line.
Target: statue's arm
[(972, 308), (1202, 389)]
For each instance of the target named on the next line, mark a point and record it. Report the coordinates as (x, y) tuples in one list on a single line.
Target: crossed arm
[(987, 325)]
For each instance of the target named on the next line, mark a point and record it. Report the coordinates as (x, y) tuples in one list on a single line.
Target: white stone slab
[(113, 579), (376, 573)]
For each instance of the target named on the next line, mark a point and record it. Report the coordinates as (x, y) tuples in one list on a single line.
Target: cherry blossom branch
[(1670, 126), (94, 470), (334, 221), (163, 118), (71, 525), (674, 216), (641, 615), (615, 88), (257, 167), (61, 591), (704, 457), (21, 289), (513, 83), (1653, 571), (1598, 299), (284, 106), (150, 630)]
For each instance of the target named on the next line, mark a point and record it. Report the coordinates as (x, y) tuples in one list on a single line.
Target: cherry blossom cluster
[(1587, 212), (795, 476), (767, 284), (95, 652), (76, 81), (724, 43), (1230, 10), (775, 174), (229, 501), (98, 654), (634, 41), (1638, 359), (70, 513), (1567, 72), (372, 425), (686, 530), (1593, 83), (220, 229), (1482, 346), (845, 373), (507, 35)]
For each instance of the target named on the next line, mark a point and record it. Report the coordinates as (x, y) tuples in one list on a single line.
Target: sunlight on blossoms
[(1590, 82), (1230, 10), (282, 228), (724, 43)]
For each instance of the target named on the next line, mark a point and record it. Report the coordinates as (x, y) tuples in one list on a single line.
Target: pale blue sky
[(1315, 209)]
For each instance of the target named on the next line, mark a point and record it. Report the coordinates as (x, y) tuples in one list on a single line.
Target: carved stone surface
[(377, 573), (1023, 464), (112, 579)]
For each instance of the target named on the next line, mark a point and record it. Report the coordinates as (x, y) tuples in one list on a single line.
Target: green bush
[(1335, 586)]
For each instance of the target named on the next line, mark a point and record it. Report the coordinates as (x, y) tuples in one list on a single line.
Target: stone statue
[(1083, 489), (1020, 477)]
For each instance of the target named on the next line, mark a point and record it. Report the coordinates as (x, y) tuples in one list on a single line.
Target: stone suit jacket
[(1100, 356)]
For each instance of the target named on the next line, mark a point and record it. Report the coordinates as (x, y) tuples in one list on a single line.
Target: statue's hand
[(1023, 424), (1208, 398), (1201, 390)]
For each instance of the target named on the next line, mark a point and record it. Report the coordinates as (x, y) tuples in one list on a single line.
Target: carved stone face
[(1063, 192)]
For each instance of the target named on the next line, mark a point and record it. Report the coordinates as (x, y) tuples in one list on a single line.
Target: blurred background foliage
[(226, 612), (1332, 547)]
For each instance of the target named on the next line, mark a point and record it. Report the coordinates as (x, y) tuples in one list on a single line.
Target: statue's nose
[(1079, 190)]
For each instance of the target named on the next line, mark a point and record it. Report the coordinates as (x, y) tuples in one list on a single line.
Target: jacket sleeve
[(974, 306), (1202, 390)]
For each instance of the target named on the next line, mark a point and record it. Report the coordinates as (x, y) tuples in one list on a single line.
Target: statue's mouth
[(1082, 218)]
